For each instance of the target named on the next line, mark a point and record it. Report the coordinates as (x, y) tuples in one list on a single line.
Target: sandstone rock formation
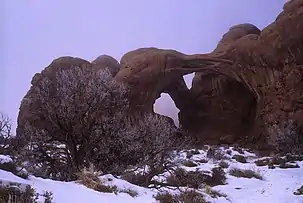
[(251, 81), (105, 61)]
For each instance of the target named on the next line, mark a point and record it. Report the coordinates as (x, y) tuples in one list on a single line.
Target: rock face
[(29, 109), (251, 81), (105, 61)]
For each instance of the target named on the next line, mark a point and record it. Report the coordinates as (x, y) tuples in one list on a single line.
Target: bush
[(27, 195), (135, 178), (90, 178), (86, 123), (239, 158), (11, 167), (245, 173), (183, 178), (48, 197), (299, 191), (285, 137), (188, 196), (191, 153), (9, 144), (223, 164), (189, 163), (218, 177), (215, 153), (213, 193), (196, 179), (131, 192)]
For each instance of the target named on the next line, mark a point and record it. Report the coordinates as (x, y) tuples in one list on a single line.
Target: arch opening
[(220, 108)]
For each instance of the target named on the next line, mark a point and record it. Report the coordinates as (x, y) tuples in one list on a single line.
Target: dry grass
[(188, 196), (189, 163), (223, 164), (239, 158), (246, 173), (16, 194), (90, 178), (196, 179), (213, 193), (131, 192)]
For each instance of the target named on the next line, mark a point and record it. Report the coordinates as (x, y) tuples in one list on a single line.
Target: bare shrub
[(154, 143), (285, 138), (245, 173), (213, 193), (196, 179), (223, 164), (216, 154), (82, 111), (189, 163), (84, 114), (90, 178), (218, 177), (187, 196), (7, 140), (16, 194), (239, 158), (299, 191), (131, 192), (48, 197)]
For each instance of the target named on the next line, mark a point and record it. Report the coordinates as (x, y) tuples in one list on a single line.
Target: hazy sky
[(34, 32)]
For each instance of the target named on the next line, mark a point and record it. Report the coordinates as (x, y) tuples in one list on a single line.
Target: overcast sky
[(34, 32)]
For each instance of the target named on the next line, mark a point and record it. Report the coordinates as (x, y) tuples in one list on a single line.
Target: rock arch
[(264, 67), (263, 63)]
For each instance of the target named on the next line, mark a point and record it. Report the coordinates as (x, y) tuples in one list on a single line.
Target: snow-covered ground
[(277, 186)]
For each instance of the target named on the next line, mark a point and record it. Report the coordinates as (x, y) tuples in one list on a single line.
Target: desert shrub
[(238, 149), (262, 162), (48, 197), (245, 173), (189, 163), (299, 191), (12, 167), (288, 165), (203, 160), (196, 179), (9, 166), (165, 197), (239, 158), (90, 178), (215, 153), (191, 153), (27, 195), (183, 178), (218, 177), (229, 152), (131, 192), (213, 193), (188, 196), (135, 178), (8, 142), (85, 123), (223, 164), (285, 137)]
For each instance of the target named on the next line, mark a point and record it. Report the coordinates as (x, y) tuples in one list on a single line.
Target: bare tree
[(79, 109), (84, 122), (286, 138), (155, 141), (5, 133)]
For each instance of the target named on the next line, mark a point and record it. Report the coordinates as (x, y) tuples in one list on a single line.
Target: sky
[(35, 32)]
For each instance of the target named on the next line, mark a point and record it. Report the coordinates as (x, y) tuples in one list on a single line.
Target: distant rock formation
[(251, 81)]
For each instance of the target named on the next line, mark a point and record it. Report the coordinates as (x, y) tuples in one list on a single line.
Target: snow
[(5, 159), (277, 187)]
